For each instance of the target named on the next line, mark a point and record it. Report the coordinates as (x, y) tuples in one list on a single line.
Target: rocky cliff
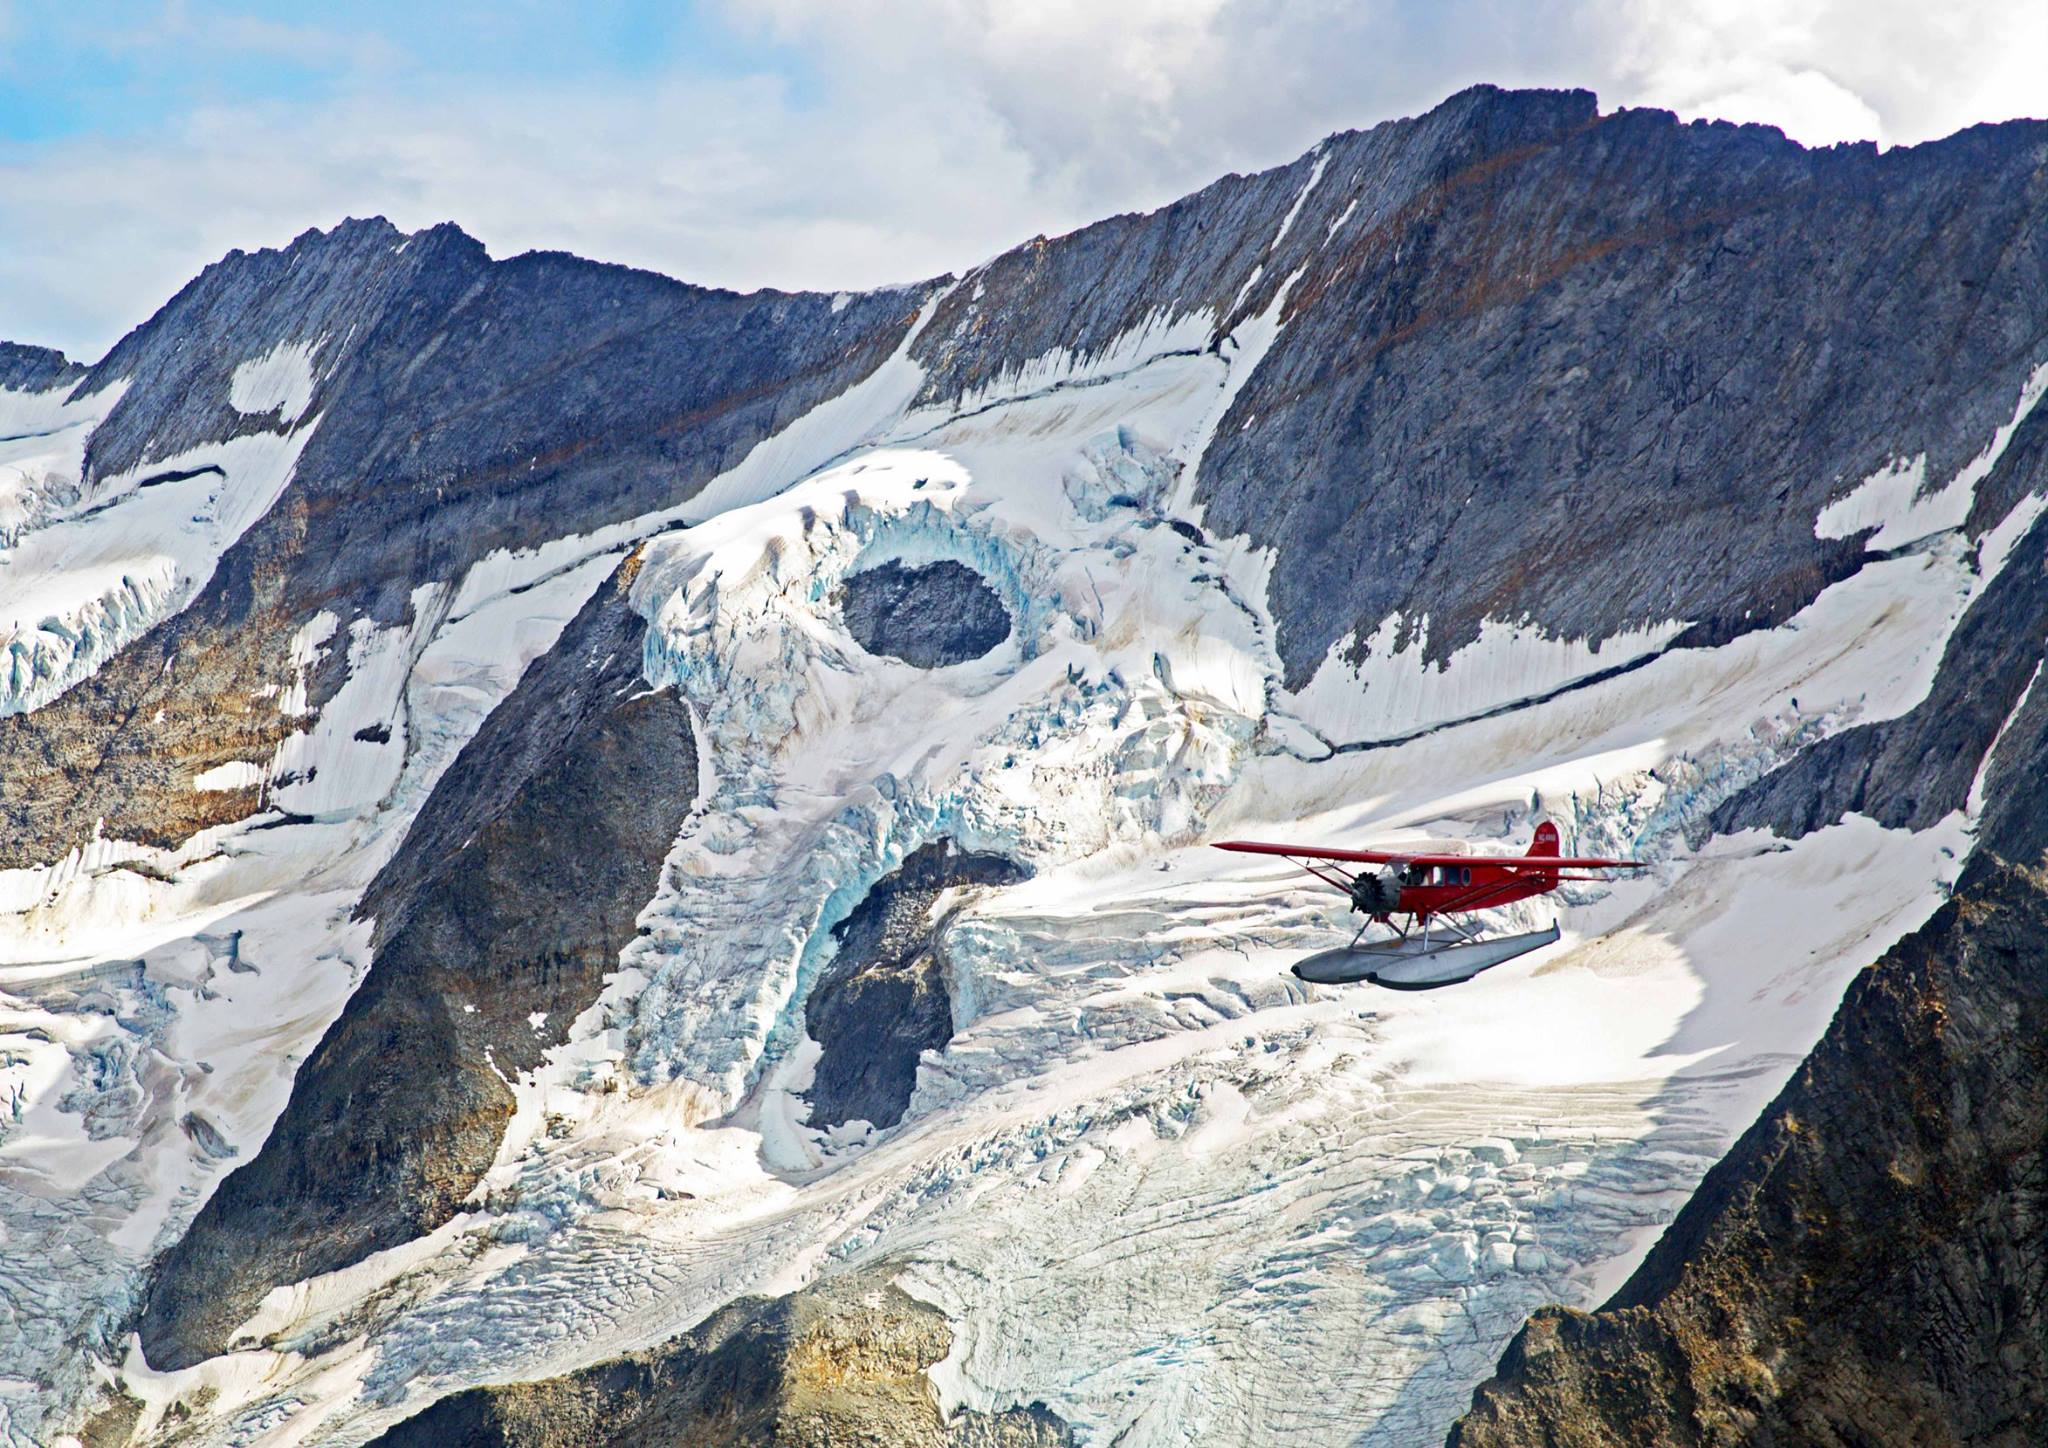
[(1519, 335), (497, 922)]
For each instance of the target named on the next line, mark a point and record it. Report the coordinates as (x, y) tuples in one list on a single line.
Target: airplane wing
[(1395, 857)]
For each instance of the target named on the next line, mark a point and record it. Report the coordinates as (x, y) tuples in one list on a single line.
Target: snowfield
[(1155, 1181), (84, 572)]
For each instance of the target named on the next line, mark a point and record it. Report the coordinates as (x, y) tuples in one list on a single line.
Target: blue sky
[(120, 68), (831, 143)]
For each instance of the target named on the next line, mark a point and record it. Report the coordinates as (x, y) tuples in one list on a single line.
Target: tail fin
[(1545, 843)]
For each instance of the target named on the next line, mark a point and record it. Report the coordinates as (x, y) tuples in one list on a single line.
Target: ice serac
[(495, 924), (841, 1363), (466, 407)]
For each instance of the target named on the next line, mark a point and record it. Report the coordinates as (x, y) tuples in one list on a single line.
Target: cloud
[(1092, 90), (1828, 71), (721, 182), (864, 142), (1121, 105)]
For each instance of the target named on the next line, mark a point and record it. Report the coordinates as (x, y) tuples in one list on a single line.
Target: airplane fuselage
[(1453, 889)]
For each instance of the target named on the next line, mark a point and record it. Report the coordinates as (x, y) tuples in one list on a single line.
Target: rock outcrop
[(931, 615), (838, 1365), (883, 1001), (35, 369)]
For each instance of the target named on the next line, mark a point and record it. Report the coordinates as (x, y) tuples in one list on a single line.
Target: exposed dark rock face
[(35, 369), (1520, 363), (938, 614), (840, 1363), (1589, 371), (882, 1001), (1867, 1265), (467, 405), (512, 895)]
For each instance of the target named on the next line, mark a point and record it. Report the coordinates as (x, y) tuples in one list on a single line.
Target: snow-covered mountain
[(588, 860)]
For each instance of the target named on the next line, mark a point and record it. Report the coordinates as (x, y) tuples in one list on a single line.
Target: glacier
[(1154, 1181)]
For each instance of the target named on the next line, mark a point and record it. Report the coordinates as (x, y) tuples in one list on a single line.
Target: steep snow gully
[(1152, 1181)]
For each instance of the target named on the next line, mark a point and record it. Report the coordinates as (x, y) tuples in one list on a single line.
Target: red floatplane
[(1432, 946)]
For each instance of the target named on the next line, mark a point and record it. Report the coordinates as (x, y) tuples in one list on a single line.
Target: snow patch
[(280, 381), (236, 774), (1394, 691), (1163, 333), (1315, 176), (1245, 348), (1342, 217)]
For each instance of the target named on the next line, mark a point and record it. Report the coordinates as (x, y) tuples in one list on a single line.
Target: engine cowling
[(1376, 893)]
